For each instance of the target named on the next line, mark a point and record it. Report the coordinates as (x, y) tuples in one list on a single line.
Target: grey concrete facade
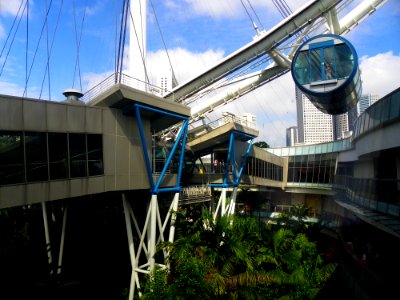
[(123, 159)]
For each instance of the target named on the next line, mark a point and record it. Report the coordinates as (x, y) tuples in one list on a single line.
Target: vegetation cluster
[(237, 257)]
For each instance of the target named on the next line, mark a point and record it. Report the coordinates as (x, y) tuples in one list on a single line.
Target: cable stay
[(36, 50), (121, 42), (174, 80), (78, 45), (49, 52)]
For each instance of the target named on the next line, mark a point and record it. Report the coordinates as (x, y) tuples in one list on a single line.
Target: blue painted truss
[(231, 160), (181, 139)]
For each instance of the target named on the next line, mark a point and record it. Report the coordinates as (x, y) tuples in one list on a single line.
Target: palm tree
[(237, 257)]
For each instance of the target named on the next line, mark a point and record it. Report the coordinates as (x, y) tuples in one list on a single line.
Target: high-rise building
[(315, 126), (291, 136), (366, 101), (341, 126), (164, 82), (249, 120)]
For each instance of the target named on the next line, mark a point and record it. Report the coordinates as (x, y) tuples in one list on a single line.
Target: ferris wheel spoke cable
[(78, 45), (121, 41), (13, 38), (47, 69), (26, 48), (50, 52), (255, 13), (140, 49), (11, 29), (174, 80), (36, 50)]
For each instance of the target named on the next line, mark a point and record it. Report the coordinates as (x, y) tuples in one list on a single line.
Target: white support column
[(149, 236), (153, 231), (47, 237), (232, 204), (62, 241), (134, 276), (174, 206), (223, 201)]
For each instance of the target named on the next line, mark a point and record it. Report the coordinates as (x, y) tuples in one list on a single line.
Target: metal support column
[(62, 241), (236, 175), (153, 219), (47, 237)]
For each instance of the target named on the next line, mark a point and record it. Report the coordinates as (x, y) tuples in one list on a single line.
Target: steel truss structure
[(153, 223), (221, 208)]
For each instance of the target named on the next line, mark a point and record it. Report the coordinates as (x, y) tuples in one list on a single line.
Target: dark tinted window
[(95, 154), (77, 155), (58, 155), (36, 156), (11, 158)]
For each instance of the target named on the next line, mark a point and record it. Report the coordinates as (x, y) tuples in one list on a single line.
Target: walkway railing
[(230, 118), (118, 78)]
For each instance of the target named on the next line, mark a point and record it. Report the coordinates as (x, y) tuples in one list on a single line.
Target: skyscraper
[(315, 126), (291, 136), (249, 120), (164, 82), (366, 101)]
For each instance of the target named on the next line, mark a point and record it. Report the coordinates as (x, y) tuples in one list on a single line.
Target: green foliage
[(156, 285), (239, 258), (261, 144)]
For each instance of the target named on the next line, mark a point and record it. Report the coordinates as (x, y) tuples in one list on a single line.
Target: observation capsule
[(325, 69)]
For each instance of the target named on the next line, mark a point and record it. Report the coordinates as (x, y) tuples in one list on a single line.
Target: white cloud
[(8, 7), (234, 9), (216, 9), (186, 64), (12, 89), (379, 73), (92, 79)]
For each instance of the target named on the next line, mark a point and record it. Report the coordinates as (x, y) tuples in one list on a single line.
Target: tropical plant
[(239, 258)]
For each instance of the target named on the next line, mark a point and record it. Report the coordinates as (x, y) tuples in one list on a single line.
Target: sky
[(77, 46)]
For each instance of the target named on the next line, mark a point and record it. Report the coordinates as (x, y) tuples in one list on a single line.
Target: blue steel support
[(144, 148), (182, 132), (181, 160), (155, 187), (228, 161), (237, 174), (244, 162)]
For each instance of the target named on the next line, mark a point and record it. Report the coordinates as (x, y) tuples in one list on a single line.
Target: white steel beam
[(358, 14), (275, 36)]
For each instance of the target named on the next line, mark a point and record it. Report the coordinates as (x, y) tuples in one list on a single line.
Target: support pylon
[(154, 229), (222, 207)]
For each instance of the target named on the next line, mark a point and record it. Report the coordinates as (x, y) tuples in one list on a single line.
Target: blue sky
[(198, 33)]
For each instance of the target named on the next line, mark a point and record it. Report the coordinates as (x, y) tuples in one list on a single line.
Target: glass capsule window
[(323, 61)]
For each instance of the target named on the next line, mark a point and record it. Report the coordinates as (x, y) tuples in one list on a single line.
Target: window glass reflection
[(11, 157), (95, 154), (36, 156), (77, 155), (58, 155)]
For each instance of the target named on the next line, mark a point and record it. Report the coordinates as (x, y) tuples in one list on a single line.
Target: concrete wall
[(124, 166)]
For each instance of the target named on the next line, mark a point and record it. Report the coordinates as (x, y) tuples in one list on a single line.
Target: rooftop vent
[(73, 96)]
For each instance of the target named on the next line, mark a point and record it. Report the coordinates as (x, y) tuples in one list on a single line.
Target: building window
[(41, 156), (77, 155), (58, 155), (95, 154), (36, 156), (11, 158)]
